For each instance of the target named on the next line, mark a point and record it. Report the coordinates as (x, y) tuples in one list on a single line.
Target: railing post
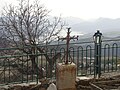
[(97, 52)]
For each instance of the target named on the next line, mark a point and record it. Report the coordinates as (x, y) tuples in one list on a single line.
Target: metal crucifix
[(68, 38)]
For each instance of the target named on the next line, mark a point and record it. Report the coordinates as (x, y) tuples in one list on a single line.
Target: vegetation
[(28, 24)]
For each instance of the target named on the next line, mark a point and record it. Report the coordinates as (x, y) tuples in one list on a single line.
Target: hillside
[(109, 27)]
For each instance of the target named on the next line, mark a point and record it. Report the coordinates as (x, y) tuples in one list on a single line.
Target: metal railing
[(17, 66)]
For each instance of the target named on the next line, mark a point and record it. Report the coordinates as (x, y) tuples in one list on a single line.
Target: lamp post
[(97, 41)]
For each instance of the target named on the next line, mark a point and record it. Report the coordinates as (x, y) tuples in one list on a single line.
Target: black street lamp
[(97, 37), (98, 41)]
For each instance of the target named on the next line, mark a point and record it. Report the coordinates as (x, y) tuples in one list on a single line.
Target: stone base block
[(66, 76)]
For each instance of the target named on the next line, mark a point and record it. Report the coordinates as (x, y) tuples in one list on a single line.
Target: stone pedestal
[(66, 76)]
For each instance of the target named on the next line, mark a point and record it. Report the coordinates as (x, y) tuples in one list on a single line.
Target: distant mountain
[(72, 20), (109, 27)]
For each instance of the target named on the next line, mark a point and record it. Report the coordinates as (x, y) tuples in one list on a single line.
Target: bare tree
[(29, 25)]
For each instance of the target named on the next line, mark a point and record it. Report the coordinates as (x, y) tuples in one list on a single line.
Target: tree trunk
[(50, 68), (35, 68)]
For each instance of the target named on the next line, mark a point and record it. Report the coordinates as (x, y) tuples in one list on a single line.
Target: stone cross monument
[(66, 72)]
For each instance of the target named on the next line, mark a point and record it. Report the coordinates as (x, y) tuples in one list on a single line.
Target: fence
[(17, 66)]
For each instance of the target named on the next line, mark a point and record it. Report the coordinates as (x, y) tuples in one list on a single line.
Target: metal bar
[(104, 58), (27, 67), (22, 69), (37, 79)]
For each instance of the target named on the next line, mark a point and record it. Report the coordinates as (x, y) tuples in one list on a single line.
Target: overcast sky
[(84, 9)]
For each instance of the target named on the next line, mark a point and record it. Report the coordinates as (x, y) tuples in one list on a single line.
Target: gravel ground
[(107, 81), (82, 83), (111, 74)]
